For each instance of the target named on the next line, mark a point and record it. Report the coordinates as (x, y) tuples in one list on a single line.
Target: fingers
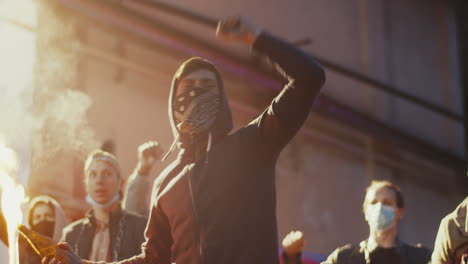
[(64, 246), (237, 29), (233, 29), (46, 260), (229, 26), (150, 148), (293, 239), (50, 260)]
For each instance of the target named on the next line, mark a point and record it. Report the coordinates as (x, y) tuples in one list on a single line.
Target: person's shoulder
[(450, 224), (417, 247), (344, 254), (418, 251), (347, 250), (74, 226)]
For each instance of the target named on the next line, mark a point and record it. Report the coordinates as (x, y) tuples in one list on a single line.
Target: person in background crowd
[(46, 217), (216, 203), (451, 244), (107, 233), (383, 209), (137, 196)]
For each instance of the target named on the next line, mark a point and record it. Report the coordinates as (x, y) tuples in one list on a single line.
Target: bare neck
[(103, 214), (384, 239)]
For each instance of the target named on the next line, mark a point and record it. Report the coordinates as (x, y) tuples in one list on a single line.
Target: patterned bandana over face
[(195, 109)]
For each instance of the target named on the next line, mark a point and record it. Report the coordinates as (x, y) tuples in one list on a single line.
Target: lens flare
[(12, 197)]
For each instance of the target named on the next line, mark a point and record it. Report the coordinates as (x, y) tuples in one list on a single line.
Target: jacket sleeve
[(68, 237), (441, 253), (333, 257), (288, 111), (137, 194), (157, 247)]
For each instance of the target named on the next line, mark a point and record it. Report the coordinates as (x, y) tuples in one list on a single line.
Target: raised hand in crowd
[(137, 194), (293, 243), (148, 154)]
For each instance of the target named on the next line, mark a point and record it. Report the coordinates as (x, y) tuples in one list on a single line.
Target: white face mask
[(93, 203), (380, 217)]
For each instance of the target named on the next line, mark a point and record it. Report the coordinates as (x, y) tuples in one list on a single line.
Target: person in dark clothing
[(216, 203), (138, 192), (46, 217), (383, 209)]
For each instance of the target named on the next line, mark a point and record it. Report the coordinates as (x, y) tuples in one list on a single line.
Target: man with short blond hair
[(107, 233)]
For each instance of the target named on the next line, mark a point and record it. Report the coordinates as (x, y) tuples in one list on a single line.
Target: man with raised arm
[(216, 203)]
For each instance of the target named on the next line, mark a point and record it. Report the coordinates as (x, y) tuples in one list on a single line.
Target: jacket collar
[(114, 217)]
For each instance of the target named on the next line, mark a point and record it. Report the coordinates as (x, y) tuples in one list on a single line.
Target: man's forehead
[(100, 164), (381, 193), (201, 74)]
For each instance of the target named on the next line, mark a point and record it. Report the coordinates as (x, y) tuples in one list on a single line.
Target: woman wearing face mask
[(383, 209), (46, 217)]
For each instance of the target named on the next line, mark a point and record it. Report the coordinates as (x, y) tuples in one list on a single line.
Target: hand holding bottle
[(50, 252)]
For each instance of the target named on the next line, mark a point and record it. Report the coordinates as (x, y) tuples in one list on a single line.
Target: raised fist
[(148, 153), (237, 29), (293, 243)]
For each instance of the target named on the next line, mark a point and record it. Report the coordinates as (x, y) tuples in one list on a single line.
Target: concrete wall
[(409, 45)]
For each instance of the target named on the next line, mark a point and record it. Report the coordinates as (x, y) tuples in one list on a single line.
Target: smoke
[(61, 107), (44, 112)]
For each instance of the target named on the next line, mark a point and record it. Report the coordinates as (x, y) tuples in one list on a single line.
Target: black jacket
[(222, 208), (126, 234), (358, 254)]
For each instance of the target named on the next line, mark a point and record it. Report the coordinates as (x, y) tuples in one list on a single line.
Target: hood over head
[(60, 219), (223, 121), (461, 217)]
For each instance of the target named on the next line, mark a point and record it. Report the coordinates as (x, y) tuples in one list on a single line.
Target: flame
[(23, 11), (12, 197), (17, 50)]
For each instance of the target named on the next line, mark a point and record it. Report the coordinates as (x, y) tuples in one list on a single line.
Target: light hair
[(102, 156)]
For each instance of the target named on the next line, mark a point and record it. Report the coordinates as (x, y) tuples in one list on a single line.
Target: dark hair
[(386, 184)]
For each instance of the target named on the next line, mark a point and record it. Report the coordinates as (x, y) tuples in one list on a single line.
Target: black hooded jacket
[(222, 207)]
